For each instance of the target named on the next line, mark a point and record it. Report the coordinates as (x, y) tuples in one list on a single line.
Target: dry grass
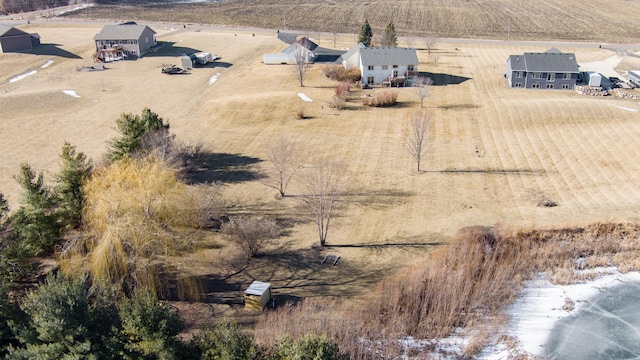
[(381, 98), (464, 285), (579, 151), (598, 20)]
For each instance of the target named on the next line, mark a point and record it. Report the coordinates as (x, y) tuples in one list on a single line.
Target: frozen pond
[(606, 326)]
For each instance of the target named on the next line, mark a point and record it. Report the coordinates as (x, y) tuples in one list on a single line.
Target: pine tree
[(389, 37), (132, 129), (35, 225), (366, 34), (74, 171)]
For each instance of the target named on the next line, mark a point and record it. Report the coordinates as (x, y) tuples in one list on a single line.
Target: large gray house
[(128, 40), (551, 69), (12, 39), (381, 65)]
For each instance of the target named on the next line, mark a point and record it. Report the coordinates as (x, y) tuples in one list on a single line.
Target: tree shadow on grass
[(495, 171), (222, 167)]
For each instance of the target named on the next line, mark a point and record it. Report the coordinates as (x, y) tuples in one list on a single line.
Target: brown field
[(597, 20), (577, 151)]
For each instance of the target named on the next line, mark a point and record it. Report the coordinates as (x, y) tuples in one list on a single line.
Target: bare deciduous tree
[(286, 157), (250, 235), (422, 88), (430, 43), (301, 64), (417, 140), (323, 184)]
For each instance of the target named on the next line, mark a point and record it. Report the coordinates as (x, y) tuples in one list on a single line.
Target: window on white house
[(536, 75), (411, 67), (551, 77), (549, 86), (370, 67), (565, 86), (519, 74), (518, 84), (370, 80), (535, 86), (395, 66), (384, 67), (566, 76)]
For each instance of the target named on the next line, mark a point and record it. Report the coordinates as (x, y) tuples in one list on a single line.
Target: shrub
[(300, 113), (339, 73), (250, 235), (337, 103), (382, 98), (342, 90)]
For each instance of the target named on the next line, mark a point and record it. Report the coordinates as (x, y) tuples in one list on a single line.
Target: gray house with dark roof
[(379, 65), (302, 49), (131, 39), (551, 69), (12, 39)]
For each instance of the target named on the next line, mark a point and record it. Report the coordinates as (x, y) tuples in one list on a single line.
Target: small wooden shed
[(257, 295)]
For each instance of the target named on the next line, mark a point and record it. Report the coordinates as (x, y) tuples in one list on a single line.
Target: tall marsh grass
[(466, 284)]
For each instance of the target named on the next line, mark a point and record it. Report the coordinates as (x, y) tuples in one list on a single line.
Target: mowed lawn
[(492, 151)]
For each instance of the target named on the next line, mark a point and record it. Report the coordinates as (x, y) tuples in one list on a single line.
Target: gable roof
[(387, 56), (306, 43), (552, 60), (127, 31), (351, 52), (6, 31)]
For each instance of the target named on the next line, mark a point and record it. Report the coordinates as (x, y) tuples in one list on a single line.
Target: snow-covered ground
[(71, 93), (22, 76)]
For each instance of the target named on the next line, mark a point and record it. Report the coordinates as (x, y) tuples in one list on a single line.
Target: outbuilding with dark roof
[(13, 39), (551, 69)]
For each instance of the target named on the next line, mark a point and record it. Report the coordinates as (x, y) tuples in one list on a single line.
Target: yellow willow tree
[(139, 219)]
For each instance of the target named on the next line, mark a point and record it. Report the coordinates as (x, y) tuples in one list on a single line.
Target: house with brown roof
[(12, 39), (124, 40)]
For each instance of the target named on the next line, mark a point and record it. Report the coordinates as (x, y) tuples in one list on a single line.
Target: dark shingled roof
[(551, 60), (121, 32), (388, 56), (10, 31)]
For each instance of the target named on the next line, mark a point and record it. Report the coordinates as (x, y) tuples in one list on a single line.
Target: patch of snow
[(71, 93), (47, 64), (80, 7), (623, 108), (214, 78), (304, 97), (22, 76)]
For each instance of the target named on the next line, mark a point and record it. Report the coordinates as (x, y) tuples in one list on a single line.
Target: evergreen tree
[(63, 324), (389, 37), (150, 328), (74, 171), (226, 342), (366, 34), (35, 224), (132, 129), (310, 347)]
